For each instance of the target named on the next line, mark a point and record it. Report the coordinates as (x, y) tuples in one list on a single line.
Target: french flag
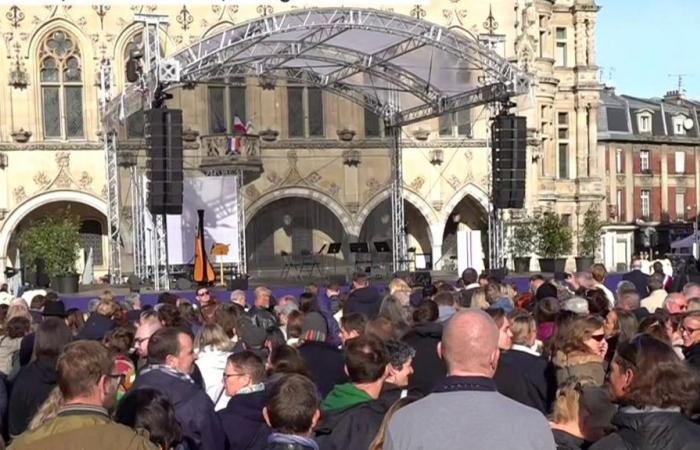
[(235, 143)]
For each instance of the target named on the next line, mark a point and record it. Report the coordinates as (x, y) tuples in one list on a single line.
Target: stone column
[(595, 170), (581, 41), (590, 41), (581, 140)]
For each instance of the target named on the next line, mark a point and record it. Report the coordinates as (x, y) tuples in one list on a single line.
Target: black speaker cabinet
[(164, 134), (509, 161)]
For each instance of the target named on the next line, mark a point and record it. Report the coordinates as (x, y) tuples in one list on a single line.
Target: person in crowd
[(393, 310), (352, 325), (691, 290), (658, 267), (171, 359), (283, 312), (690, 330), (546, 312), (581, 349), (363, 298), (99, 323), (15, 329), (639, 279), (652, 387), (238, 297), (284, 360), (293, 329), (351, 417), (620, 326), (167, 298), (75, 320), (469, 279), (292, 412), (88, 386), (675, 303), (694, 304), (119, 341), (628, 300), (379, 440), (657, 293), (599, 272), (577, 305), (213, 348), (309, 304), (624, 286), (203, 296), (469, 346), (35, 381), (55, 309), (598, 304), (573, 419), (383, 328), (424, 336), (146, 328), (148, 409), (331, 299), (400, 369), (325, 361), (260, 313), (446, 305), (227, 315), (242, 419)]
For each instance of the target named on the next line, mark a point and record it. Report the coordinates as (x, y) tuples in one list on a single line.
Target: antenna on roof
[(680, 77)]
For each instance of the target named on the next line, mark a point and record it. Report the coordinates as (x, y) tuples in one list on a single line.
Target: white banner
[(217, 197)]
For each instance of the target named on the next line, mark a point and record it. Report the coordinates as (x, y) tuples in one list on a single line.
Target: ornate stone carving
[(63, 160), (351, 158), (273, 177), (103, 192), (252, 192), (345, 134), (15, 16), (313, 177), (21, 136), (437, 157), (269, 135), (85, 181), (454, 182), (20, 194), (421, 134), (185, 18), (417, 183), (437, 205), (334, 189), (353, 207), (41, 180), (373, 186)]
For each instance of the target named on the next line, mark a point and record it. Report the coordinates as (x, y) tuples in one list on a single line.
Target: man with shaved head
[(465, 410)]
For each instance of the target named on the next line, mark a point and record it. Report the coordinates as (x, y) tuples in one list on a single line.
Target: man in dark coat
[(351, 414), (638, 278), (171, 359), (691, 339), (363, 298), (242, 418), (260, 313), (324, 361), (428, 367)]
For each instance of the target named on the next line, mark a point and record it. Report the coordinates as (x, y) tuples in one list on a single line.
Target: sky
[(640, 43)]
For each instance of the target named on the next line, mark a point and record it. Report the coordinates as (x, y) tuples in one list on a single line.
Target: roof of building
[(673, 118)]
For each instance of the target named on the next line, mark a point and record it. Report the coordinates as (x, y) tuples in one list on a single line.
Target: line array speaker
[(508, 161), (164, 134)]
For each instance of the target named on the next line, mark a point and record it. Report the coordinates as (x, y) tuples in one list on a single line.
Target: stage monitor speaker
[(237, 283), (509, 161), (164, 133)]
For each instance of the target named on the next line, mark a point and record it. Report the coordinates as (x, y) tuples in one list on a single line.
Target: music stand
[(359, 248), (334, 249)]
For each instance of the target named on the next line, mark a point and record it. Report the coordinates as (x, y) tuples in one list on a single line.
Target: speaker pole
[(161, 276)]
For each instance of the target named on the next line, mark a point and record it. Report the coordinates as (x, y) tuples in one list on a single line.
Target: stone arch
[(408, 195), (304, 192), (37, 201), (85, 44), (472, 190)]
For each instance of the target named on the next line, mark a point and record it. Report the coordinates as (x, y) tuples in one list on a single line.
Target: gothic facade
[(326, 165)]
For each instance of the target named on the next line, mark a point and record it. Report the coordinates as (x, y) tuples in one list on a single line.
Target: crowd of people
[(568, 364)]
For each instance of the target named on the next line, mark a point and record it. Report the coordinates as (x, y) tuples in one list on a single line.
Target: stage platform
[(278, 286)]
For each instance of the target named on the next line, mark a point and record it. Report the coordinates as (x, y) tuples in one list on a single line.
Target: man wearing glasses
[(203, 296), (89, 385), (690, 330)]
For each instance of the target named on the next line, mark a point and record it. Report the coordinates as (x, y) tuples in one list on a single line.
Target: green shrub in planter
[(55, 239), (553, 239), (591, 229)]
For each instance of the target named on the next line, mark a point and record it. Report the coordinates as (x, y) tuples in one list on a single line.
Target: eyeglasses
[(688, 330), (138, 341), (598, 337), (203, 293), (229, 375)]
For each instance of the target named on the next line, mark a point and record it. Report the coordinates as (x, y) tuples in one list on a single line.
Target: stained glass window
[(61, 87)]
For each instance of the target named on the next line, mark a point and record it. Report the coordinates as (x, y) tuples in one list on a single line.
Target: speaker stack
[(508, 161), (164, 134)]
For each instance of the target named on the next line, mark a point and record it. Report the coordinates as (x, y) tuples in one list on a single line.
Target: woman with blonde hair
[(378, 442), (398, 284), (579, 349), (19, 309), (214, 346)]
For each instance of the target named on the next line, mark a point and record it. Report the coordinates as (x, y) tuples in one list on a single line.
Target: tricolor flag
[(235, 143)]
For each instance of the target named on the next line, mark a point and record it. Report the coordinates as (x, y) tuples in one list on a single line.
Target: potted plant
[(521, 240), (55, 240), (553, 240), (589, 238)]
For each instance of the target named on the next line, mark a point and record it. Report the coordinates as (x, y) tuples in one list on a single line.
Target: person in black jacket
[(351, 414), (171, 360), (324, 361), (36, 380), (638, 278), (363, 298), (243, 420), (691, 339), (260, 313), (100, 322), (655, 390), (428, 367)]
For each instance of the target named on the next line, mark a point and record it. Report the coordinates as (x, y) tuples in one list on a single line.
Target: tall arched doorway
[(377, 228), (467, 215), (291, 225)]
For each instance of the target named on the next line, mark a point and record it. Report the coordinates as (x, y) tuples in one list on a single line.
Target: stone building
[(327, 171), (651, 164)]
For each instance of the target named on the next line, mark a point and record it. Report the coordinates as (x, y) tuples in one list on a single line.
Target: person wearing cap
[(324, 360), (242, 419), (363, 298)]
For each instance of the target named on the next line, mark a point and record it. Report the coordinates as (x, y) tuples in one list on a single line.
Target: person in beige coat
[(580, 350)]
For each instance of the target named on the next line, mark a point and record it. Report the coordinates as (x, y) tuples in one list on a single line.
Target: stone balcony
[(217, 157)]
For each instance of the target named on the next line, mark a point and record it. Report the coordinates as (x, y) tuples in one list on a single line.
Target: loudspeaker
[(421, 278), (164, 134), (237, 283), (508, 161)]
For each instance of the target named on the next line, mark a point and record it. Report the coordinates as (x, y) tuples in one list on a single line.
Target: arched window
[(61, 86), (135, 122)]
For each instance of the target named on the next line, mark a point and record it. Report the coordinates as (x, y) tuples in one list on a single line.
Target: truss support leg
[(240, 210), (398, 223), (110, 146), (161, 275)]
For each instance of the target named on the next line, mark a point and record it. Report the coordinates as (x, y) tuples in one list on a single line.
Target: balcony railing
[(220, 156)]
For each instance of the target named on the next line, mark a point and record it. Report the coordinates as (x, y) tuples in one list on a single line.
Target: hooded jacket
[(579, 364), (365, 300), (30, 389), (243, 421), (194, 410), (655, 429), (428, 367), (350, 419)]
